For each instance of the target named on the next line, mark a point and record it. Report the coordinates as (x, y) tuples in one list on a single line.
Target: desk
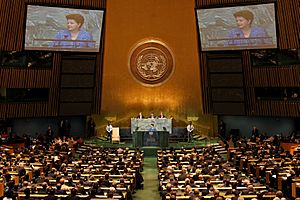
[(141, 125), (143, 138), (289, 147)]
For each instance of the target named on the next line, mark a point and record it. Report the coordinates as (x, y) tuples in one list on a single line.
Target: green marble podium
[(160, 124), (157, 138), (143, 137)]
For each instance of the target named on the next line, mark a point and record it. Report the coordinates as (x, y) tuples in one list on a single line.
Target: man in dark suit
[(183, 175), (91, 125), (152, 116), (140, 116), (49, 135)]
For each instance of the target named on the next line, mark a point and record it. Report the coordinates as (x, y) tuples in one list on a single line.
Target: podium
[(143, 137), (162, 124), (150, 138)]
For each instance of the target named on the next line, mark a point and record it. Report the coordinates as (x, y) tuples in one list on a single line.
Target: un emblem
[(151, 63)]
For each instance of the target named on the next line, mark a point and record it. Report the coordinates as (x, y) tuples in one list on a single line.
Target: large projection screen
[(238, 27), (63, 29)]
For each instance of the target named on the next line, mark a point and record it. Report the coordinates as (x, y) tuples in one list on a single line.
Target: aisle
[(150, 191)]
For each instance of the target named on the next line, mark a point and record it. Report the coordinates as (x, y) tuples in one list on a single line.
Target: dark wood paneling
[(32, 78), (23, 78), (226, 80), (98, 80), (3, 108), (76, 95), (78, 66), (288, 23), (26, 110), (225, 65), (229, 108), (222, 78), (75, 109), (77, 80), (276, 108), (285, 76), (52, 109), (227, 94), (205, 83)]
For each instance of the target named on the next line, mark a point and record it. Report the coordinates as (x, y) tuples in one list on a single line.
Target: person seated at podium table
[(151, 136), (152, 116), (161, 116), (140, 116)]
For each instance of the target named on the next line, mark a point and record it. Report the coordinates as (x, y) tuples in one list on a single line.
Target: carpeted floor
[(150, 191)]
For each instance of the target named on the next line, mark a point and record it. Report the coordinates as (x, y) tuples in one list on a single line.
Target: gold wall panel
[(130, 22)]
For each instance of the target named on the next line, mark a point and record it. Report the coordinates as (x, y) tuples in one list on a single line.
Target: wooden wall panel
[(52, 108), (286, 76), (256, 107), (288, 23), (225, 65), (78, 66), (75, 109), (2, 110), (226, 80), (272, 78), (25, 110), (229, 108), (77, 95), (96, 107), (76, 81), (205, 83), (227, 94), (23, 78), (275, 108)]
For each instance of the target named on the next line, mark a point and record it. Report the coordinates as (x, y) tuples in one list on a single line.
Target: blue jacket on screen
[(238, 38), (69, 43)]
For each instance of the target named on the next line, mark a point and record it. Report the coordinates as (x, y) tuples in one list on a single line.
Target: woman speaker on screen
[(245, 34), (74, 36)]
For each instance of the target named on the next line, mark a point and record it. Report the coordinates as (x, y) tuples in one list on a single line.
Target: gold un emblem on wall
[(151, 62)]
